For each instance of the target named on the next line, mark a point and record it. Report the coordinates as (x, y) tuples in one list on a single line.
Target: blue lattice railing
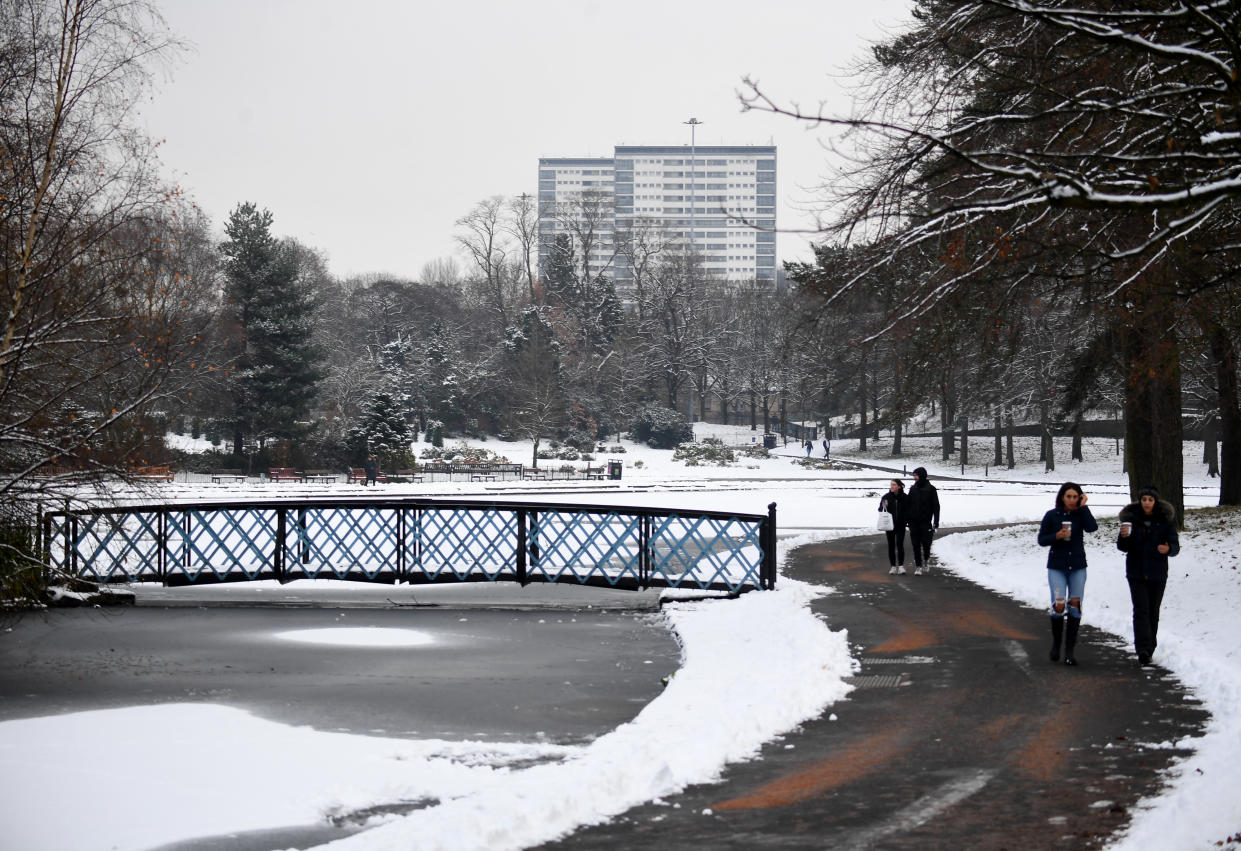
[(415, 541)]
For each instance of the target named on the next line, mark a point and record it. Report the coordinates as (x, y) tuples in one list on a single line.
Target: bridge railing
[(415, 541)]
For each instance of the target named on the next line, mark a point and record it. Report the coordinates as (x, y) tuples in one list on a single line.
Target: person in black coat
[(1063, 532), (1148, 539), (372, 471), (922, 516), (893, 502)]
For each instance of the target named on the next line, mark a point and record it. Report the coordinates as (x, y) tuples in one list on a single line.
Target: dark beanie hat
[(920, 472), (1150, 491)]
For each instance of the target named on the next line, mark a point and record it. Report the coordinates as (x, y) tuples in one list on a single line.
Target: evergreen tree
[(278, 367), (383, 431), (537, 405)]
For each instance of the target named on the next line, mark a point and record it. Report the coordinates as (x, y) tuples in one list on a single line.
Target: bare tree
[(99, 276), (1114, 126), (522, 224), (483, 238)]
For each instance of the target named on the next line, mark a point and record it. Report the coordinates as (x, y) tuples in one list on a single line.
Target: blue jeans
[(1066, 585)]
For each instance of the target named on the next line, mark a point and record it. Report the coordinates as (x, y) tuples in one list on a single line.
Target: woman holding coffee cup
[(1062, 531), (1148, 539)]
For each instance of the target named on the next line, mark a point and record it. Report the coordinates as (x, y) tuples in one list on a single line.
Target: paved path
[(961, 734)]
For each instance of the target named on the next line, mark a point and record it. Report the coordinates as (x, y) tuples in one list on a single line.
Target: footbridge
[(414, 541)]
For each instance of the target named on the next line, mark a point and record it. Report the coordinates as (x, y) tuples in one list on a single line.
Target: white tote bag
[(885, 523)]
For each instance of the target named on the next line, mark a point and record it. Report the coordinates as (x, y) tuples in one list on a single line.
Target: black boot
[(1070, 639), (1057, 628)]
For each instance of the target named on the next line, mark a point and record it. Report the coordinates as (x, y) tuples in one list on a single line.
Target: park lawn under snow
[(725, 701)]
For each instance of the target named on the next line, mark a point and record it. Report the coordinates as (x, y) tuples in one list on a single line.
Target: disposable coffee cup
[(1125, 527), (1067, 524)]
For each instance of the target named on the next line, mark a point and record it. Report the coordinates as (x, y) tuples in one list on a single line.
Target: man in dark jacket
[(1148, 539), (922, 514)]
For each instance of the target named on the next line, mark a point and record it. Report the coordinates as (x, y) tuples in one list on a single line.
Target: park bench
[(284, 474), (410, 476), (357, 475), (323, 477), (152, 473), (221, 476), (597, 473)]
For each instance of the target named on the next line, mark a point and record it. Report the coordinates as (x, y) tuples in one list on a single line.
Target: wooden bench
[(482, 477), (323, 477), (57, 472), (358, 475), (152, 473), (284, 474), (410, 475), (220, 476), (597, 473)]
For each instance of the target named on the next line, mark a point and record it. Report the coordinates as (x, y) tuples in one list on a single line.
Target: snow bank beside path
[(741, 684), (1199, 641)]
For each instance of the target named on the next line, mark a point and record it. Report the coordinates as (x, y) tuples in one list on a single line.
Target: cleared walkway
[(960, 734)]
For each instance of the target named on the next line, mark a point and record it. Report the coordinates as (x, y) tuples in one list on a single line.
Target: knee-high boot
[(1071, 625), (1057, 629)]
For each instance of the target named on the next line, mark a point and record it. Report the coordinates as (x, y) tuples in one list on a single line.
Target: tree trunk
[(1225, 355), (1153, 406), (998, 459), (874, 405), (1077, 438), (784, 420), (1049, 449), (238, 443), (945, 426), (862, 410), (897, 428), (1011, 460), (754, 414), (534, 460), (1210, 445), (965, 440)]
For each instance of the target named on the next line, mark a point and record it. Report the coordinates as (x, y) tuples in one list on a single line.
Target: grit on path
[(960, 732)]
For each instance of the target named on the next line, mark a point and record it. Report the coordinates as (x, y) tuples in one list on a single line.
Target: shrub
[(710, 451), (435, 433), (660, 427), (21, 574)]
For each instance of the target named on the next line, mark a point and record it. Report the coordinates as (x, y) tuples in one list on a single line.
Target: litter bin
[(769, 441), (615, 465)]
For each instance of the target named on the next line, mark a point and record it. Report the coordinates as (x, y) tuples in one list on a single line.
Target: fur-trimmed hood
[(1132, 512)]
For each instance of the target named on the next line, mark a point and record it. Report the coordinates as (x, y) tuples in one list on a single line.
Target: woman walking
[(1062, 531), (1148, 539), (893, 502)]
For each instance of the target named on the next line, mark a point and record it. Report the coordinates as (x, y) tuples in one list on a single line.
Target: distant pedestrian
[(809, 448), (893, 502), (372, 471), (1063, 531), (827, 450), (922, 515), (1148, 539)]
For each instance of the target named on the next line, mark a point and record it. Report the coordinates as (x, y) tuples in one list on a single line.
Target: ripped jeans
[(1066, 585)]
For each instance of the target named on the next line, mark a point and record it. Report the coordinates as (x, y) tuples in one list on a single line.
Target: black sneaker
[(1144, 659)]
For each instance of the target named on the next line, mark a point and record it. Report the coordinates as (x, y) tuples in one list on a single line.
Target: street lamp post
[(693, 127), (693, 168)]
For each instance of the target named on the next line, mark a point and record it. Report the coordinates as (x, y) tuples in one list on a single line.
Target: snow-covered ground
[(733, 692)]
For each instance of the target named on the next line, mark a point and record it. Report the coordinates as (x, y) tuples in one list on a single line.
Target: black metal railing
[(414, 541)]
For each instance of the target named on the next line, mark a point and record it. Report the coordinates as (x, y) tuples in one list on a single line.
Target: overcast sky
[(368, 128)]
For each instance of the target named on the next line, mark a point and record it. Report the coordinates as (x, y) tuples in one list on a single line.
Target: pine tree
[(383, 431), (278, 367)]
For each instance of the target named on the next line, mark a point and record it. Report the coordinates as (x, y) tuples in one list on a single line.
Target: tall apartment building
[(652, 187)]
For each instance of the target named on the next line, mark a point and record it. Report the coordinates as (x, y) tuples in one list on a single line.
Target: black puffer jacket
[(922, 505), (1070, 554), (1142, 557), (894, 504)]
